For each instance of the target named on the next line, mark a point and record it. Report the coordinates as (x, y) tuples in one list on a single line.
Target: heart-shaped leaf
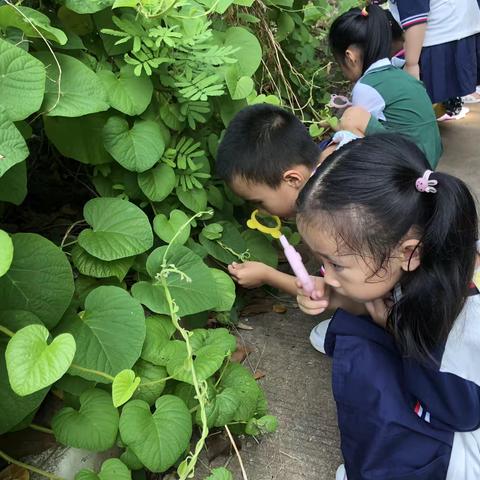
[(138, 148), (127, 93), (12, 145), (119, 229), (6, 252), (39, 280), (22, 80), (94, 427), (94, 267), (160, 438), (109, 333), (225, 289), (194, 199), (152, 381), (82, 91), (159, 330), (32, 364), (112, 469), (157, 183), (194, 291), (166, 228), (220, 473), (231, 238), (131, 460), (124, 385), (88, 6)]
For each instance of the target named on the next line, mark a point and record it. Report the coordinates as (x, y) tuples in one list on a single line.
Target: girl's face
[(350, 274)]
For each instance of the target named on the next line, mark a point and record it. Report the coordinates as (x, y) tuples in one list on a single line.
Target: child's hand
[(249, 274), (318, 301)]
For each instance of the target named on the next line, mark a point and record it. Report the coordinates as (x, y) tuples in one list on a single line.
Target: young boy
[(266, 157)]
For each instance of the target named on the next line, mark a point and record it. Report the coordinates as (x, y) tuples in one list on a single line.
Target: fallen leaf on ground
[(243, 326), (14, 472), (241, 353), (279, 308), (258, 375)]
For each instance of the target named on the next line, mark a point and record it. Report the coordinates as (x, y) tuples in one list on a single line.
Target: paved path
[(297, 381)]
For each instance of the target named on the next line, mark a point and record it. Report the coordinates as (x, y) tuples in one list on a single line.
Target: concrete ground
[(297, 378)]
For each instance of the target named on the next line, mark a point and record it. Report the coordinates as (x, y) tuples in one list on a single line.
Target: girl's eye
[(336, 267)]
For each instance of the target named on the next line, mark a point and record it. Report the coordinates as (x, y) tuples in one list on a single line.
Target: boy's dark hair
[(261, 143), (366, 192), (397, 31), (371, 33)]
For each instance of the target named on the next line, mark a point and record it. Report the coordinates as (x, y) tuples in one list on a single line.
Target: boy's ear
[(352, 55), (295, 178), (410, 251)]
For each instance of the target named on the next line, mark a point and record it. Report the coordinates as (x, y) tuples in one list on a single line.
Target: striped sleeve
[(413, 12)]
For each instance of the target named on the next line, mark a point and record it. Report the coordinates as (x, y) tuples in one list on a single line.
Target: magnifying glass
[(293, 257), (339, 101)]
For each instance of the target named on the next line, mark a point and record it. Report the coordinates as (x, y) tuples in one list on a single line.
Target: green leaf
[(159, 329), (88, 6), (136, 149), (13, 407), (74, 22), (94, 267), (157, 440), (157, 183), (127, 93), (109, 333), (86, 145), (13, 148), (192, 292), (225, 289), (152, 381), (286, 26), (194, 199), (260, 247), (220, 473), (167, 228), (231, 239), (242, 88), (227, 403), (131, 460), (17, 17), (212, 231), (124, 385), (249, 53), (22, 80), (119, 229), (13, 183), (81, 90), (239, 379), (39, 280), (94, 427), (6, 252), (209, 347), (32, 364), (112, 469)]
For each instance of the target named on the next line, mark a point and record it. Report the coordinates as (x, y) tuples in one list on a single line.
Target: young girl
[(384, 98), (398, 245), (442, 47)]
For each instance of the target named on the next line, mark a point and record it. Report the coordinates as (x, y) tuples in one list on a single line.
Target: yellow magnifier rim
[(254, 224)]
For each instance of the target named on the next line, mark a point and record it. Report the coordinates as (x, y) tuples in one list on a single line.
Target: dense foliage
[(138, 93)]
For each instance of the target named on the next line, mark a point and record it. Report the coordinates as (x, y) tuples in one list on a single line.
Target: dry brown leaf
[(279, 308), (258, 375), (241, 353), (243, 326), (14, 472)]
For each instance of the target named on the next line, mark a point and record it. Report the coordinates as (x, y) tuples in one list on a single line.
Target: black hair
[(371, 33), (261, 143), (366, 192), (397, 31)]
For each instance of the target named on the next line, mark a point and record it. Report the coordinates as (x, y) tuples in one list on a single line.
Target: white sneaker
[(463, 112), (317, 335), (341, 473), (472, 98)]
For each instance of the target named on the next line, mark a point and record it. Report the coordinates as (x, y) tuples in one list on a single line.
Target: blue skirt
[(451, 69)]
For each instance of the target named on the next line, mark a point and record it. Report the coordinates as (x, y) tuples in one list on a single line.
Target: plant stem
[(29, 467), (39, 428), (154, 382), (95, 372), (6, 331), (200, 393), (234, 445)]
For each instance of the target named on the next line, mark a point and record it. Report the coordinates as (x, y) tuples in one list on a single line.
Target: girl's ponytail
[(367, 29), (435, 293)]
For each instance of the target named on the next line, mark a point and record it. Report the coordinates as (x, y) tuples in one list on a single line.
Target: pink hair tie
[(423, 184)]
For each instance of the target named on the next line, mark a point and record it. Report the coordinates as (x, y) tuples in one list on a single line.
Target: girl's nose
[(330, 278)]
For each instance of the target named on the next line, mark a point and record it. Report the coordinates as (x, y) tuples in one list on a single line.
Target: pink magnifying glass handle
[(295, 261)]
